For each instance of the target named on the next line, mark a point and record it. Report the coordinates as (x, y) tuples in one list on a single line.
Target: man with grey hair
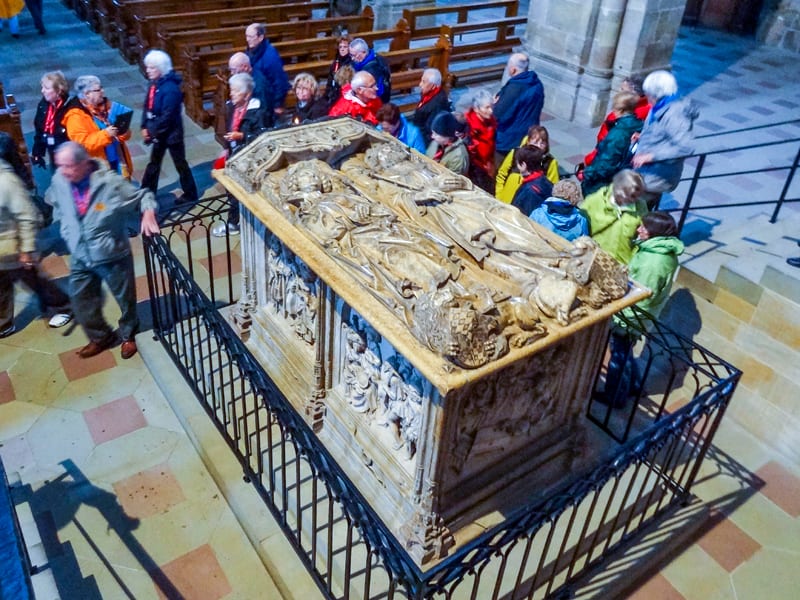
[(433, 100), (239, 62), (518, 105), (162, 124), (359, 99), (366, 59), (93, 204)]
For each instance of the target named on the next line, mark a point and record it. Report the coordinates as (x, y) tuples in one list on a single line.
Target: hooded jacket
[(101, 235), (653, 265), (376, 66), (164, 121), (455, 156), (351, 105), (481, 141), (613, 226), (559, 216), (611, 153), (519, 105), (83, 127), (668, 134)]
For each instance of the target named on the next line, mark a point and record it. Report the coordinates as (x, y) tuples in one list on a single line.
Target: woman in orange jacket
[(90, 120)]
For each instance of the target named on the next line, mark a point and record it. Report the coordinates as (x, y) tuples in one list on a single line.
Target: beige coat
[(19, 219)]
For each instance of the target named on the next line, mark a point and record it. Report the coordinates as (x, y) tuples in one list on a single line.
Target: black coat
[(255, 121), (164, 121), (318, 107), (423, 115), (59, 131)]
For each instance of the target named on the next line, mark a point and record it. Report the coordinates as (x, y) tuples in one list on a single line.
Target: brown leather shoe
[(94, 348), (128, 349)]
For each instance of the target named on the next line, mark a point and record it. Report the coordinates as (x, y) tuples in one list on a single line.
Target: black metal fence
[(655, 446), (777, 161)]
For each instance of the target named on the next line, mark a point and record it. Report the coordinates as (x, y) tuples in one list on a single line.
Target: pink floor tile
[(220, 264), (6, 388), (142, 293), (781, 486), (114, 419), (657, 588), (76, 367), (726, 543), (196, 575), (149, 492)]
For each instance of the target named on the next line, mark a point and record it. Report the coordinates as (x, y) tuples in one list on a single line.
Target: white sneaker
[(59, 320), (219, 229)]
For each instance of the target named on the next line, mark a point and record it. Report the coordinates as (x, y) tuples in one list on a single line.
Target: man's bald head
[(239, 63)]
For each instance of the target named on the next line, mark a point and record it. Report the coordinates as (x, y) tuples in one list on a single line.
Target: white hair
[(433, 76), (84, 82), (158, 59), (359, 45), (241, 82), (660, 84)]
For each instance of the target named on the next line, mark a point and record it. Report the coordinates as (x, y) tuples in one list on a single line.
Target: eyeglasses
[(94, 90)]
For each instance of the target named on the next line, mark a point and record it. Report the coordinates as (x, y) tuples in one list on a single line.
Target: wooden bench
[(406, 64), (473, 37), (11, 123), (176, 43), (147, 27), (111, 17), (314, 55)]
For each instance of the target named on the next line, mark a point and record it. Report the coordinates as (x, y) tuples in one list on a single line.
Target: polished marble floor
[(117, 501)]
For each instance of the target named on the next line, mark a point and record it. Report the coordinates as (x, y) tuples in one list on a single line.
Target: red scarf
[(50, 117), (427, 97), (151, 97), (238, 115)]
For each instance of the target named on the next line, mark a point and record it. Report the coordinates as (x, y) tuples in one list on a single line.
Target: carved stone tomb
[(440, 343)]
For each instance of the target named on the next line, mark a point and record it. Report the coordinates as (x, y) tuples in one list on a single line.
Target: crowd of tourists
[(497, 142)]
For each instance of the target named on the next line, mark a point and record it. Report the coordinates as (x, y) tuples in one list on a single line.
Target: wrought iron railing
[(539, 551), (778, 160)]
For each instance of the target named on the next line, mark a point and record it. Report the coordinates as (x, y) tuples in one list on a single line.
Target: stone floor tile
[(219, 262), (658, 587), (197, 575), (781, 486), (76, 367), (726, 543), (114, 419), (149, 492), (6, 388)]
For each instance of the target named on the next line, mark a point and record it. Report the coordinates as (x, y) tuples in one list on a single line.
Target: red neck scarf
[(427, 97), (50, 117), (151, 97)]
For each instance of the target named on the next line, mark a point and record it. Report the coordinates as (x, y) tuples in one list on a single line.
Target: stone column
[(582, 50)]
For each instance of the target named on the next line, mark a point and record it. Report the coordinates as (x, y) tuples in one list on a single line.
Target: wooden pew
[(472, 35), (200, 69), (406, 64), (422, 20), (176, 43), (147, 27), (111, 17), (11, 123)]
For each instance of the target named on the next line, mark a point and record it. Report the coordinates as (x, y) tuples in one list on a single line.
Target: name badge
[(150, 115), (234, 144), (51, 141)]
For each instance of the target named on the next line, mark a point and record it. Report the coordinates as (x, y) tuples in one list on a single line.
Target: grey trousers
[(86, 292)]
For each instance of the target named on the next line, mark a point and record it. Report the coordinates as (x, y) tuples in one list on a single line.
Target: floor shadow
[(56, 505)]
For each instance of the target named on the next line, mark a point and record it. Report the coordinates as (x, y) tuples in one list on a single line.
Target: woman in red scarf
[(480, 143), (49, 131)]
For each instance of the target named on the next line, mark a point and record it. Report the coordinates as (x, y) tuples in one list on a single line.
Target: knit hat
[(444, 124), (568, 190)]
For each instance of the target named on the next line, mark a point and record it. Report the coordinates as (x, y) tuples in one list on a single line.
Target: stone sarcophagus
[(440, 343)]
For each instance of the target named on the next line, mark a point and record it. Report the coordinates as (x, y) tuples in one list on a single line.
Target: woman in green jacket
[(615, 212)]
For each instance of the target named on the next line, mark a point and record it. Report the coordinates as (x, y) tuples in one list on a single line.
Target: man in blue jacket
[(162, 124), (92, 204), (517, 106), (266, 60)]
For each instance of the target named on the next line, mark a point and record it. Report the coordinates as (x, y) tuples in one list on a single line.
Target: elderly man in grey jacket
[(92, 205)]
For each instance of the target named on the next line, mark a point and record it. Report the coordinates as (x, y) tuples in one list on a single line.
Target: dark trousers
[(178, 153), (35, 8), (233, 211), (86, 290), (622, 377), (51, 299)]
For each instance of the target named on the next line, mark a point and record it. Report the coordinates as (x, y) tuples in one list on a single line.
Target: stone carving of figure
[(301, 300), (404, 408), (353, 375), (278, 272)]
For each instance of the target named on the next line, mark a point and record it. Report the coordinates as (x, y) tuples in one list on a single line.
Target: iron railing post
[(785, 190), (690, 194)]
